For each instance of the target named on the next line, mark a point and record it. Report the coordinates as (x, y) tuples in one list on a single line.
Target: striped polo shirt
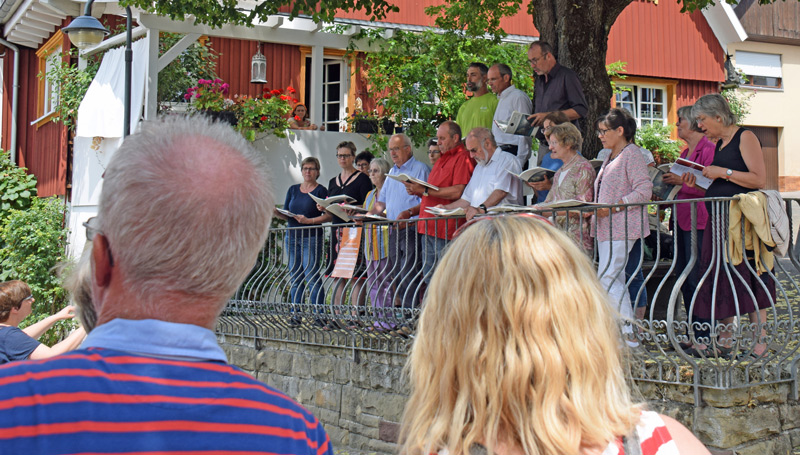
[(102, 399)]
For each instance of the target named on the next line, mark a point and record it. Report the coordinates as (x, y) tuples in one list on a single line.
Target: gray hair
[(505, 70), (685, 112), (77, 279), (403, 137), (383, 164), (481, 134), (714, 105), (186, 206)]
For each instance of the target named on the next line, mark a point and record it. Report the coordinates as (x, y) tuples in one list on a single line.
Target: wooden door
[(769, 144)]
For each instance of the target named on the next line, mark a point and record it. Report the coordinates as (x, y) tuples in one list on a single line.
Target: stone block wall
[(360, 396)]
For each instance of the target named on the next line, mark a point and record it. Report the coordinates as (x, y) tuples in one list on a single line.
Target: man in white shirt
[(491, 183), (509, 99)]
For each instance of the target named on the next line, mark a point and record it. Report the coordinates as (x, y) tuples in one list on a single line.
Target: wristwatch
[(728, 174), (483, 207), (425, 193)]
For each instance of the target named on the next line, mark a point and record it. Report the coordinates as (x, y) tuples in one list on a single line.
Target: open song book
[(535, 174), (333, 205), (408, 179), (518, 124)]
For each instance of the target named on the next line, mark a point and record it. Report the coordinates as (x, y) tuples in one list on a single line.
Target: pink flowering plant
[(210, 95)]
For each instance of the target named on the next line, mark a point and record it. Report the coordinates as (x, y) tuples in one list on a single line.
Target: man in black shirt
[(556, 88)]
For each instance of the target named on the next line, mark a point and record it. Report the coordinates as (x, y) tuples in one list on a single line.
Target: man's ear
[(101, 261)]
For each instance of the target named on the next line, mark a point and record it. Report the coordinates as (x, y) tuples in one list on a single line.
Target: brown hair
[(347, 145), (12, 293), (311, 160)]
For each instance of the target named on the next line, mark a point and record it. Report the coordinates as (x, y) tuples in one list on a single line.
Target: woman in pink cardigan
[(623, 179)]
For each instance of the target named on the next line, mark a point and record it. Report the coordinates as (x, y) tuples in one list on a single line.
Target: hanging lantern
[(258, 68)]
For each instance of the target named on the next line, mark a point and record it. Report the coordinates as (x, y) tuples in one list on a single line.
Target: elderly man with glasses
[(184, 212), (401, 204)]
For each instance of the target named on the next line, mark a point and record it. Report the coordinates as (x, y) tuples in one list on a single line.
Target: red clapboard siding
[(44, 150), (233, 65), (657, 40)]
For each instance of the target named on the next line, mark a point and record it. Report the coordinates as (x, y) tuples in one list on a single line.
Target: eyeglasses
[(91, 227), (309, 169), (23, 301), (434, 152), (374, 171), (340, 156), (397, 149), (362, 165), (92, 230), (602, 132), (534, 60)]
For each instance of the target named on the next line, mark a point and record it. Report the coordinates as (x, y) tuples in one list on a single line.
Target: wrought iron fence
[(688, 330)]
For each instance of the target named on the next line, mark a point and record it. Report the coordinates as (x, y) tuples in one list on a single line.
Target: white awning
[(758, 64)]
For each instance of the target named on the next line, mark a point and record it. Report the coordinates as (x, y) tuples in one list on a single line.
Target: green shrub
[(655, 137), (17, 187), (33, 243)]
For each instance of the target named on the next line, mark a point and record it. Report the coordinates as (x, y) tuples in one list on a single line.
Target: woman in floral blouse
[(573, 180), (623, 179)]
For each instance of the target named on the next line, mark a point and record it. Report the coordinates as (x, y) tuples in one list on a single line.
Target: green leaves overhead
[(219, 12)]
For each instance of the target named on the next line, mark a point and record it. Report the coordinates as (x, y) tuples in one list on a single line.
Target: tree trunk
[(578, 31)]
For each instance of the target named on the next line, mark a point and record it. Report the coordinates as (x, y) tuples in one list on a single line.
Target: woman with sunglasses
[(622, 179), (16, 304), (539, 368)]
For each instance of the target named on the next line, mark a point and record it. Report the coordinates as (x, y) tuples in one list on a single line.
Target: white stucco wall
[(778, 108)]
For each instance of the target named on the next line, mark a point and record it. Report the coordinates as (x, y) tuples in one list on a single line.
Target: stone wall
[(359, 397)]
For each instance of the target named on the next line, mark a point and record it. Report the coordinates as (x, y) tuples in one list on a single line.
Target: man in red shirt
[(450, 174)]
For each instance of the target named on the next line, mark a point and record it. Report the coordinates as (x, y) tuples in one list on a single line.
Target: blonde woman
[(539, 369)]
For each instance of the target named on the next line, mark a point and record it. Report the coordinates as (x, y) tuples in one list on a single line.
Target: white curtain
[(101, 111)]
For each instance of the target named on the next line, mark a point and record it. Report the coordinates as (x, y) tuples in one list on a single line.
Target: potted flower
[(209, 97), (265, 114)]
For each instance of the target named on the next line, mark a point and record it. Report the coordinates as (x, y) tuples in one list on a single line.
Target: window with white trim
[(49, 56), (647, 104), (761, 70)]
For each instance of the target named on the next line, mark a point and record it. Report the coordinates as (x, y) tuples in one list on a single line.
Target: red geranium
[(275, 92), (291, 89), (297, 117)]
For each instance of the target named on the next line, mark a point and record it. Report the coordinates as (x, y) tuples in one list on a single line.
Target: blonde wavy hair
[(516, 345)]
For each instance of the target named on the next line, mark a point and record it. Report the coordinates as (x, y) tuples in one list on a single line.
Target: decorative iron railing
[(292, 294)]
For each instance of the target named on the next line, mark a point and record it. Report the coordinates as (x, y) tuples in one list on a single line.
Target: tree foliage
[(418, 77), (198, 61), (217, 13)]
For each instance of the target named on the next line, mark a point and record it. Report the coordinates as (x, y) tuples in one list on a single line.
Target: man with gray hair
[(509, 100), (184, 212), (491, 183)]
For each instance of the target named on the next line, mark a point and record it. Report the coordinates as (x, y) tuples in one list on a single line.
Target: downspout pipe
[(14, 100)]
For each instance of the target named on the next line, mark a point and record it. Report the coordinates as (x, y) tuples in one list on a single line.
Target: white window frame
[(344, 87), (760, 64), (637, 90), (49, 56)]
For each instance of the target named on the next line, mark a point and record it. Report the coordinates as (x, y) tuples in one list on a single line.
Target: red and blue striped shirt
[(101, 400)]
